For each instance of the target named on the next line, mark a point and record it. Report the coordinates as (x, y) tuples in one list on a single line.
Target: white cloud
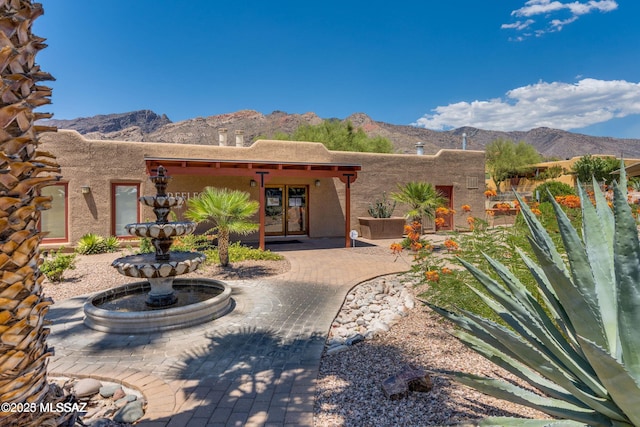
[(556, 105), (547, 10)]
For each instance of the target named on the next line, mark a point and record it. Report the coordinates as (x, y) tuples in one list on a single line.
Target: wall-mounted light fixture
[(253, 183), (317, 183), (85, 189)]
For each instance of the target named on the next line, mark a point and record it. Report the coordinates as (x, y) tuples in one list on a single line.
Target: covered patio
[(262, 172)]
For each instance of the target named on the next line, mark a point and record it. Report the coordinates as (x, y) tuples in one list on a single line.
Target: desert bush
[(556, 188), (55, 265), (91, 244)]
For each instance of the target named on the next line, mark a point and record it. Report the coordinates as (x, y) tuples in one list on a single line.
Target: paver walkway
[(255, 366)]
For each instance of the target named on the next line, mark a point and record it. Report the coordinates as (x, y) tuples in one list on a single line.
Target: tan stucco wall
[(98, 164)]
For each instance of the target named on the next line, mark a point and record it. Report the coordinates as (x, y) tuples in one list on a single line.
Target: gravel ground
[(349, 389)]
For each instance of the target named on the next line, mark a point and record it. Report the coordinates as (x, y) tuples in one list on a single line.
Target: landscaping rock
[(129, 413), (354, 339), (125, 400), (410, 378), (118, 394), (109, 390), (337, 349), (86, 387)]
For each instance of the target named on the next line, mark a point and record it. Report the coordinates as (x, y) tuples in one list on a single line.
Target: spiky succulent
[(578, 343)]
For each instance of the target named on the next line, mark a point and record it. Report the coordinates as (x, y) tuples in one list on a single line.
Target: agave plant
[(578, 342), (23, 171)]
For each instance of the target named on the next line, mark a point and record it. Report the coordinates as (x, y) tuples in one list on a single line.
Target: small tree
[(599, 168), (337, 135), (422, 197), (506, 159), (230, 212)]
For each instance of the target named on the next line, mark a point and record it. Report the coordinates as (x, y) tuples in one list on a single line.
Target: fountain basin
[(160, 231), (161, 319), (146, 266)]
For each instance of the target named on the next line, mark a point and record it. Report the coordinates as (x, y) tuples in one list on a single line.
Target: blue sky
[(492, 64)]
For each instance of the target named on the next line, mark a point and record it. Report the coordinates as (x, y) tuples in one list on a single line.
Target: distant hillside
[(147, 126)]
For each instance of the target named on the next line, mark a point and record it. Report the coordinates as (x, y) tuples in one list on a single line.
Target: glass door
[(286, 210), (297, 211), (274, 212)]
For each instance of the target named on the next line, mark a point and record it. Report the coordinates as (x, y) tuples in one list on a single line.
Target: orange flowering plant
[(432, 276), (451, 245)]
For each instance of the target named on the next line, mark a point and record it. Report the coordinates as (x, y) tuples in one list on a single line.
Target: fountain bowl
[(160, 319)]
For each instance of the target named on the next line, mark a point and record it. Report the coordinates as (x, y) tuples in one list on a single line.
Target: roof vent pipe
[(464, 141), (222, 137), (239, 138), (420, 148)]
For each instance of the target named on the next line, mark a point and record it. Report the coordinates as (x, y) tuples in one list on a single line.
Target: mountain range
[(147, 126)]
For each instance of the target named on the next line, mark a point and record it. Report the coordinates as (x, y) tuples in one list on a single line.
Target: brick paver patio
[(255, 366)]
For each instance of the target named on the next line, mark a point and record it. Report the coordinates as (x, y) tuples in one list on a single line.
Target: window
[(472, 182), (54, 221), (125, 207)]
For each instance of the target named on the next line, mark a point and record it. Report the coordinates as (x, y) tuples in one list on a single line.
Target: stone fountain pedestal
[(203, 299)]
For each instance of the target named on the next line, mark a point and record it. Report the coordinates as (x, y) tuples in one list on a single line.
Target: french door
[(286, 210)]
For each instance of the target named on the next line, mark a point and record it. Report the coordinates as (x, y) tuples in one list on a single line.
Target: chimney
[(420, 148), (239, 138), (464, 141), (222, 137)]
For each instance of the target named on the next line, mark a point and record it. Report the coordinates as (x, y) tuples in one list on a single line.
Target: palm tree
[(23, 172), (422, 197), (229, 210)]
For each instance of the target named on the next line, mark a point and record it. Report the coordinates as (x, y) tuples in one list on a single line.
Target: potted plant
[(380, 224)]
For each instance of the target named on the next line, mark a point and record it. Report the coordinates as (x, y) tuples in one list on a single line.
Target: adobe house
[(303, 189)]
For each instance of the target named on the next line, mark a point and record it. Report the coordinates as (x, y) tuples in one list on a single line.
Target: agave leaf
[(605, 214), (621, 384), (568, 295), (537, 320), (517, 353), (572, 394), (513, 313), (487, 338), (599, 251), (627, 268), (583, 280), (521, 422), (559, 315), (540, 234), (554, 407)]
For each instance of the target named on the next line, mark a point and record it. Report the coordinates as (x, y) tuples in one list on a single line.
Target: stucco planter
[(381, 228)]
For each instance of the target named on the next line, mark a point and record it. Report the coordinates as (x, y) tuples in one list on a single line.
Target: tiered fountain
[(162, 302)]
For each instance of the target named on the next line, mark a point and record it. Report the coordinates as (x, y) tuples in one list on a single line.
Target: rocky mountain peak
[(145, 125)]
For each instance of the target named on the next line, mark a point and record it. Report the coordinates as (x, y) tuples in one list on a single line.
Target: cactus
[(382, 208), (578, 342)]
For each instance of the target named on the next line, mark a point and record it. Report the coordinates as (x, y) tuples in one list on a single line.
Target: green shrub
[(239, 252), (556, 188), (190, 243), (55, 265), (91, 244), (111, 244)]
